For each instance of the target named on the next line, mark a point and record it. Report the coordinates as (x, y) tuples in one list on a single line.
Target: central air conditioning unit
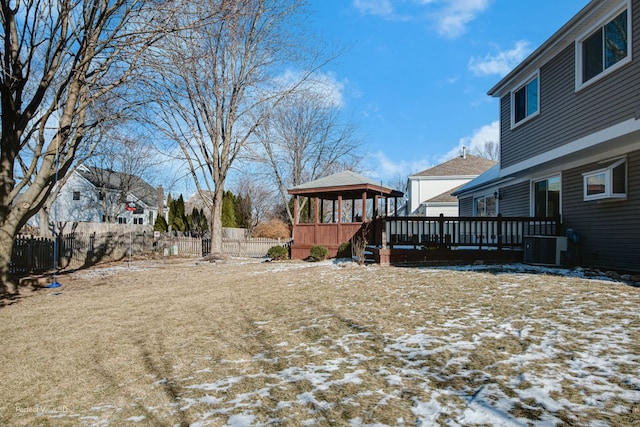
[(544, 250)]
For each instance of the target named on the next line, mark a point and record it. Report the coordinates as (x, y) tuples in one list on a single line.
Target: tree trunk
[(216, 223), (45, 229), (8, 282)]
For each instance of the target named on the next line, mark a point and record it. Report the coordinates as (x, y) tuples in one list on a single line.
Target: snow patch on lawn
[(563, 363)]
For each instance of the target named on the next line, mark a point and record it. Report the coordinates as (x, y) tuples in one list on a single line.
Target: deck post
[(315, 219), (376, 206), (315, 211), (499, 233), (353, 211), (364, 206), (383, 233), (339, 220)]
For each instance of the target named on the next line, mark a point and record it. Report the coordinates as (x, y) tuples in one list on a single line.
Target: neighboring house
[(92, 194), (429, 191), (570, 136)]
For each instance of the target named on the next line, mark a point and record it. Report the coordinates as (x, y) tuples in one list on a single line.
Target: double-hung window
[(525, 100), (485, 206), (546, 197), (604, 49), (609, 182)]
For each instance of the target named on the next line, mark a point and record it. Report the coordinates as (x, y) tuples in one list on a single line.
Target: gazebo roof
[(347, 184)]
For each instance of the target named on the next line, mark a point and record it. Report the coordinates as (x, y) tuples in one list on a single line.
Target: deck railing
[(460, 232)]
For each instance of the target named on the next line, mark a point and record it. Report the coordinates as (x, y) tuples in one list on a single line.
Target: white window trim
[(532, 197), (525, 82), (486, 196), (579, 85), (608, 184)]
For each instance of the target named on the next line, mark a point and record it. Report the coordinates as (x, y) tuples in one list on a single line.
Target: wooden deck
[(397, 240)]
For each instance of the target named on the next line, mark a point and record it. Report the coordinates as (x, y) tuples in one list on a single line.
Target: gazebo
[(332, 210)]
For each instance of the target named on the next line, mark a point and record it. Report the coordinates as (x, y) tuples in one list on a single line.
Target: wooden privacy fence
[(169, 245), (81, 249), (251, 247), (74, 250), (31, 255), (461, 232), (196, 246)]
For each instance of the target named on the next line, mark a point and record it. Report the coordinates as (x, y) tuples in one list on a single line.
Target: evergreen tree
[(204, 222), (228, 210), (180, 219), (190, 226), (177, 218), (160, 224), (198, 221), (243, 211)]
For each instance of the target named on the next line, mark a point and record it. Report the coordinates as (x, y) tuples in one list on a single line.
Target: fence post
[(499, 232)]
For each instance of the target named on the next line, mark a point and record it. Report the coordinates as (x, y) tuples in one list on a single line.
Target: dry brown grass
[(184, 342)]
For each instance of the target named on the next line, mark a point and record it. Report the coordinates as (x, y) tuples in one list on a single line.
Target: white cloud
[(449, 80), (383, 168), (324, 85), (380, 166), (382, 8), (501, 63), (453, 19), (331, 89), (451, 16), (475, 142)]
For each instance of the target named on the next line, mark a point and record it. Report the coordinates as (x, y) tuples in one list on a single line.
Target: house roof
[(445, 197), (120, 181), (460, 166), (347, 183), (489, 177)]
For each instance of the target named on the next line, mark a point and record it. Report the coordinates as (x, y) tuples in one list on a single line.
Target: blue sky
[(415, 73)]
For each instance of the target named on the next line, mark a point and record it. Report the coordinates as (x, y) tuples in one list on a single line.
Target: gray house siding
[(514, 200), (465, 206), (567, 115), (609, 231), (551, 142)]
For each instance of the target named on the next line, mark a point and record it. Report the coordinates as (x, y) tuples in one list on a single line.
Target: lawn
[(249, 343)]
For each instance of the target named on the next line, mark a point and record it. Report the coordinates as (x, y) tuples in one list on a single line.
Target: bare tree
[(397, 181), (58, 59), (259, 193), (213, 78), (120, 168), (305, 138), (489, 150)]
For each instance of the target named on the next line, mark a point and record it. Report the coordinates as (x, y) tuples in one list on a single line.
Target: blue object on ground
[(53, 284)]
